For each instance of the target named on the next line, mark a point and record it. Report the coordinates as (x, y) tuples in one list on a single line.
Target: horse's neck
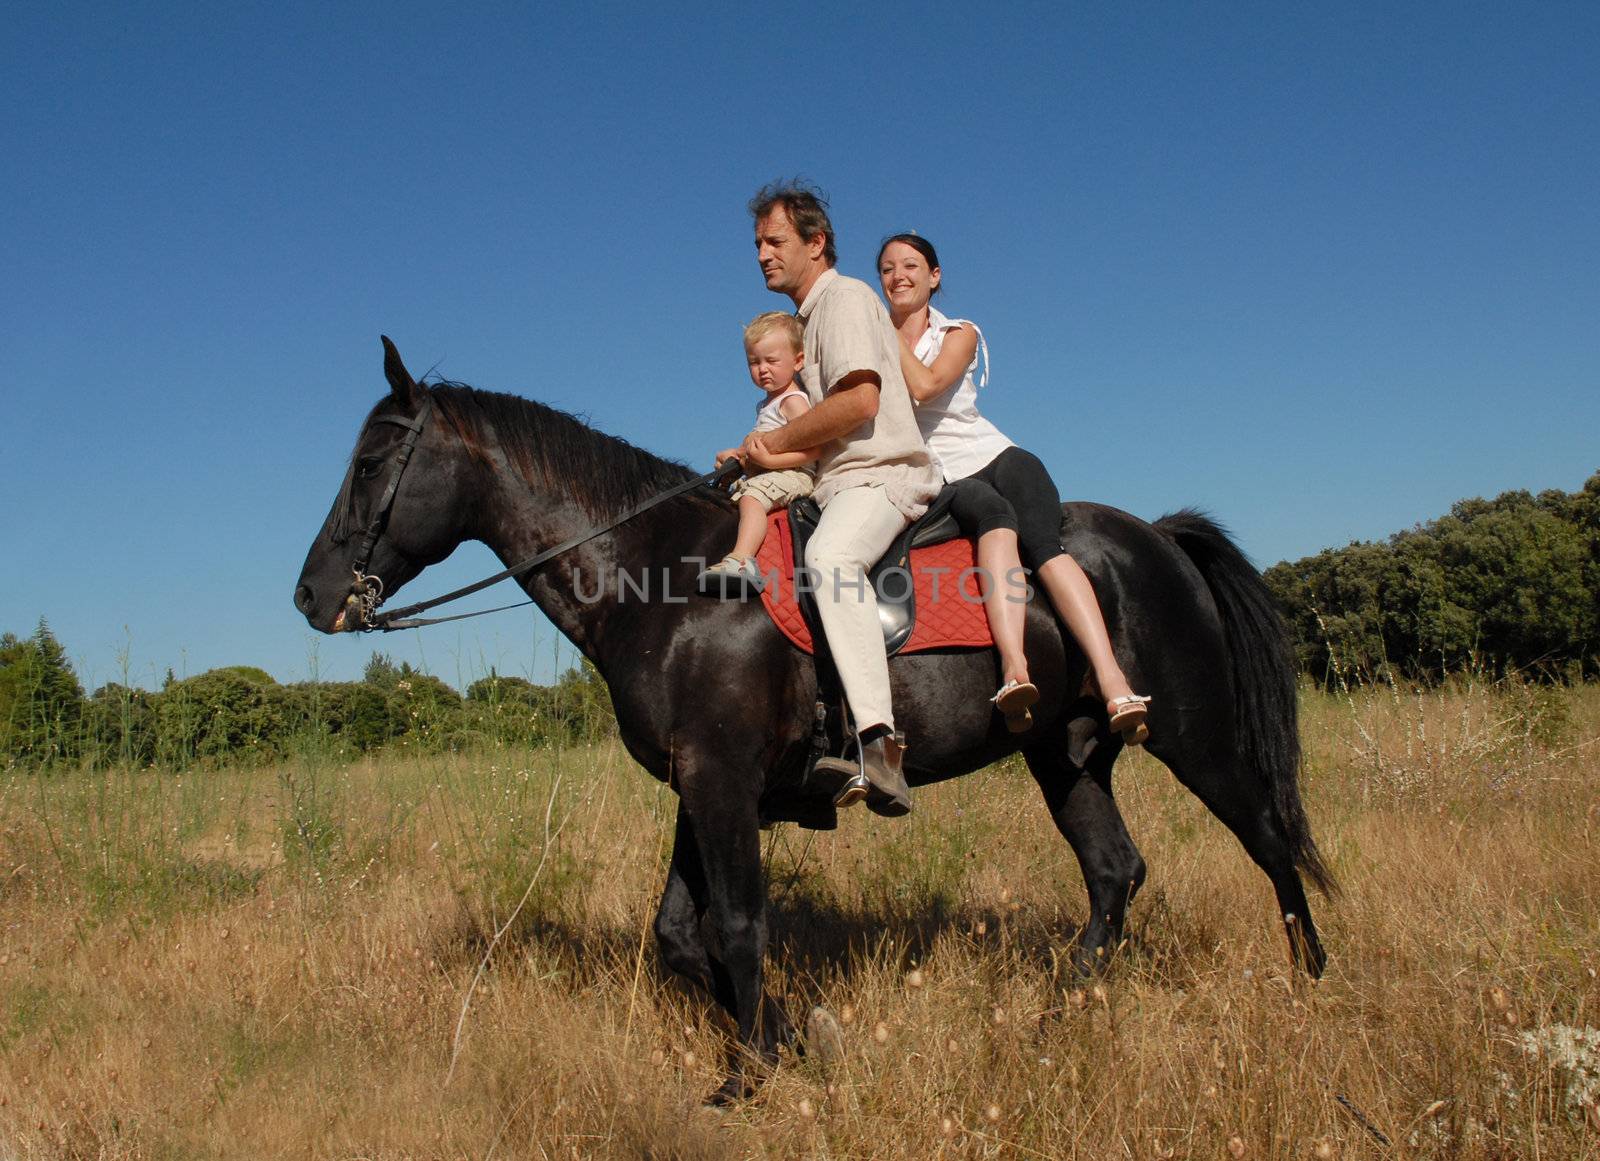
[(578, 589), (517, 524)]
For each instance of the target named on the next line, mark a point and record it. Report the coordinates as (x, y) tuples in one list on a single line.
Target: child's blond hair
[(775, 321)]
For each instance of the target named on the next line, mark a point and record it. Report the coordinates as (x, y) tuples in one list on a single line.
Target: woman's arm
[(952, 363)]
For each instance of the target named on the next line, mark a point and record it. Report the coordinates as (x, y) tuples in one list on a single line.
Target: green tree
[(580, 704), (41, 701), (427, 708), (1514, 572), (381, 670), (354, 715), (511, 711), (217, 715), (1512, 583), (119, 725)]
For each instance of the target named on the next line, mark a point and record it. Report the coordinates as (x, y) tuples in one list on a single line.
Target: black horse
[(712, 699)]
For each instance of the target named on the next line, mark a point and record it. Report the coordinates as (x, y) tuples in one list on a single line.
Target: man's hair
[(807, 208), (775, 322)]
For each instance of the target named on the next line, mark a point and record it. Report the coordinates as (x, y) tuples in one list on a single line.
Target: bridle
[(367, 590)]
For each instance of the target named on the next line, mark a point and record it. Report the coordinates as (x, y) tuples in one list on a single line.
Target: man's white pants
[(856, 528)]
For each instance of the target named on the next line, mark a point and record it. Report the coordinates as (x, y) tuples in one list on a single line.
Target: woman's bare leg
[(752, 527), (1005, 599), (1072, 594)]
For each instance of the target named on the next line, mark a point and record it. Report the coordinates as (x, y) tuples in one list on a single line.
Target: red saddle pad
[(949, 602)]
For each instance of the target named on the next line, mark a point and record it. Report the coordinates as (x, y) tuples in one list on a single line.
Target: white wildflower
[(1574, 1051)]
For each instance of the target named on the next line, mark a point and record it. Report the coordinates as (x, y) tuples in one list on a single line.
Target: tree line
[(240, 713), (1506, 584), (1499, 585)]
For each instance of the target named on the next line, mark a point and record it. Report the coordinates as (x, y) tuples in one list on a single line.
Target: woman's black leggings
[(1014, 490)]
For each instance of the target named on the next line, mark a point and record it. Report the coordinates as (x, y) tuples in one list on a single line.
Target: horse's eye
[(367, 467)]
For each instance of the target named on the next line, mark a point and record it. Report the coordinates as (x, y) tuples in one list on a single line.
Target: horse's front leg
[(678, 919), (720, 815)]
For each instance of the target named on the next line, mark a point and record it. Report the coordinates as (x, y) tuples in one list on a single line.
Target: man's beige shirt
[(847, 330)]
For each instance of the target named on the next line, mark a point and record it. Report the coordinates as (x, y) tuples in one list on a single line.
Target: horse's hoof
[(1089, 962), (734, 1090)]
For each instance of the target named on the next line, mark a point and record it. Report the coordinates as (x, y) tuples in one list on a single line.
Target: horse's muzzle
[(352, 616)]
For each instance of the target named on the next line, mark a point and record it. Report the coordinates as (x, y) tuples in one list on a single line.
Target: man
[(874, 475)]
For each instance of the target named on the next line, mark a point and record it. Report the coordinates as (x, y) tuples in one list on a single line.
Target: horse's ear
[(400, 380)]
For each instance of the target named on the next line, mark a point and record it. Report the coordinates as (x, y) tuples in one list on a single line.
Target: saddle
[(926, 583), (928, 598)]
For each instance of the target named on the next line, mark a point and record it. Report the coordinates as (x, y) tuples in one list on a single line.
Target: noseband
[(368, 590)]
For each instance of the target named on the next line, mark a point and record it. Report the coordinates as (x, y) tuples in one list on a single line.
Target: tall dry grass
[(282, 963)]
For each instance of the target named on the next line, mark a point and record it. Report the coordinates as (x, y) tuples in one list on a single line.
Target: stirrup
[(854, 791), (855, 786)]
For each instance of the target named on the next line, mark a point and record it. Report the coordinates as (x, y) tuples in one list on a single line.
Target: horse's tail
[(1264, 683)]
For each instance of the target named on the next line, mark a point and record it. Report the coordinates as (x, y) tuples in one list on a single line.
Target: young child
[(773, 349)]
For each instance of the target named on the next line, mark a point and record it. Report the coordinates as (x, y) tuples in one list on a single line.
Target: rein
[(368, 590)]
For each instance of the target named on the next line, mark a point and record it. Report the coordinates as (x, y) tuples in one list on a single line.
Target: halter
[(368, 590)]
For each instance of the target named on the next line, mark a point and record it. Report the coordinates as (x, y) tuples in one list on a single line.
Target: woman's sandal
[(1015, 701), (1127, 718)]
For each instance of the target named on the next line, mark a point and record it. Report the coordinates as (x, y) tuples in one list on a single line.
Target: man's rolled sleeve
[(849, 341)]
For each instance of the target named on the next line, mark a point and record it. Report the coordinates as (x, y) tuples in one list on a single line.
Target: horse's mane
[(552, 448), (549, 448)]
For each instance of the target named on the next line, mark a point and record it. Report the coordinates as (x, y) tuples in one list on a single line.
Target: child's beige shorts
[(775, 489)]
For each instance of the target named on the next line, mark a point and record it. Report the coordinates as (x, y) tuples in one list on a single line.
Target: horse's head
[(397, 512)]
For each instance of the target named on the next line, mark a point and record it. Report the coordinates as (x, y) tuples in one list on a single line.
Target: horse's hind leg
[(1217, 777), (1086, 814)]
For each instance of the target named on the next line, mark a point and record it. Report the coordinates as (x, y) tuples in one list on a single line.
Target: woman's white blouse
[(959, 438)]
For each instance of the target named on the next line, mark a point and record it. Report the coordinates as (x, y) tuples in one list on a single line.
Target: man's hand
[(728, 453)]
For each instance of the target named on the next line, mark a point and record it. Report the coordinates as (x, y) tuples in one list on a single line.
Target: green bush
[(223, 714), (1509, 584), (119, 726), (354, 716)]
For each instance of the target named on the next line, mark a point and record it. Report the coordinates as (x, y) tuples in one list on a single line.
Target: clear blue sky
[(1320, 269)]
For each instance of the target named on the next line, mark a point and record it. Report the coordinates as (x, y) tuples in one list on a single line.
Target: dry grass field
[(281, 962)]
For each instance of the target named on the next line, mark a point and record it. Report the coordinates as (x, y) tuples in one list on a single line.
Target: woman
[(939, 356)]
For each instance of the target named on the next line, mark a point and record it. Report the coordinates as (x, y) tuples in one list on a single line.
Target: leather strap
[(402, 618)]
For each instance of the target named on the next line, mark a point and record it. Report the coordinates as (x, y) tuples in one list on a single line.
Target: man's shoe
[(878, 779), (844, 777), (856, 787), (887, 792)]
